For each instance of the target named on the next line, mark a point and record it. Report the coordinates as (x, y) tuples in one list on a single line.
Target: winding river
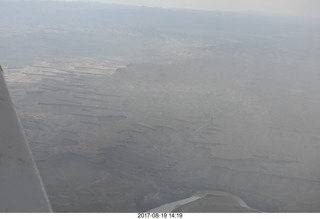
[(169, 207)]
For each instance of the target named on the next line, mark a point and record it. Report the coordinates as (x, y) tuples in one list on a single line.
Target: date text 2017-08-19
[(159, 215)]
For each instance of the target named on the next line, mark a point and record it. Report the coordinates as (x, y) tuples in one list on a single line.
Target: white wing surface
[(21, 188)]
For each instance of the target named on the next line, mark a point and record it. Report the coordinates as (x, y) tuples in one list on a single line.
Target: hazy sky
[(293, 7), (297, 7)]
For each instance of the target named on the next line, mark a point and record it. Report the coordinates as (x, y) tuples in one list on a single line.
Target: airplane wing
[(21, 188)]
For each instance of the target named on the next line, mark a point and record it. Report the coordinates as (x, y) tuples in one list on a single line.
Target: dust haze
[(129, 108)]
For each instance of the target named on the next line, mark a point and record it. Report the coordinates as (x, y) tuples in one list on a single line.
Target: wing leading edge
[(21, 188)]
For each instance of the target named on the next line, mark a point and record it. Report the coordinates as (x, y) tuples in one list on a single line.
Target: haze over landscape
[(131, 108)]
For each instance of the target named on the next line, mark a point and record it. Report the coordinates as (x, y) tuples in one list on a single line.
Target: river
[(169, 207)]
